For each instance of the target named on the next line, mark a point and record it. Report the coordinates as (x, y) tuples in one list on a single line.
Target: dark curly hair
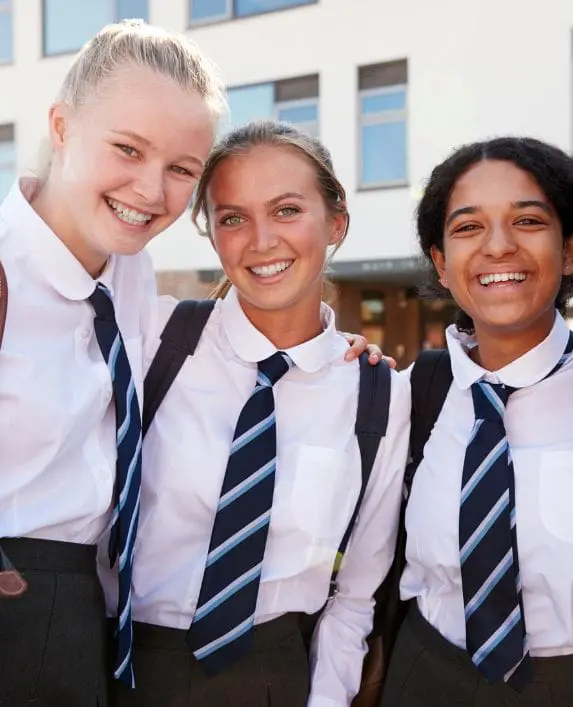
[(551, 168)]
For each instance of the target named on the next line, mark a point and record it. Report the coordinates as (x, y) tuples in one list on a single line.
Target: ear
[(339, 227), (58, 118), (568, 256), (439, 260)]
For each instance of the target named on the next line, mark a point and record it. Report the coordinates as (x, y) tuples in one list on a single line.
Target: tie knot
[(273, 368), (490, 400), (101, 301)]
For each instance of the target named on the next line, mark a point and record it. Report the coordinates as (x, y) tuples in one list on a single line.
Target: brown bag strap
[(3, 300), (12, 584)]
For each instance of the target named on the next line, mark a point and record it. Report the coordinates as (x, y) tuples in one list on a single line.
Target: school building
[(390, 87)]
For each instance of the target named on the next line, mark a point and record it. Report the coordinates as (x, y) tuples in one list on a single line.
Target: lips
[(271, 269), (488, 279), (127, 214)]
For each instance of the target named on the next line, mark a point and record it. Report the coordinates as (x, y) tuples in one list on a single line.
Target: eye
[(529, 221), (232, 220), (288, 211), (182, 171), (128, 150), (466, 228)]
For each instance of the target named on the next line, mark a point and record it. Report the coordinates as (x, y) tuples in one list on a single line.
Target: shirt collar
[(48, 253), (250, 345), (527, 370)]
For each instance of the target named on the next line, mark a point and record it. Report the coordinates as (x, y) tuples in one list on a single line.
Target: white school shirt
[(317, 483), (57, 417), (539, 424)]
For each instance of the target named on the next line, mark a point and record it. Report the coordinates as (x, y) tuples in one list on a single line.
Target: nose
[(500, 241), (264, 237), (150, 185)]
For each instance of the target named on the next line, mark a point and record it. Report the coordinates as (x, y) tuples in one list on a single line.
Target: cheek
[(228, 249), (311, 242), (178, 196)]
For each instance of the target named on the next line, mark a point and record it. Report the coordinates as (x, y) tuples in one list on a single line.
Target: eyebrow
[(525, 204), (147, 143), (271, 202), (543, 205), (461, 212)]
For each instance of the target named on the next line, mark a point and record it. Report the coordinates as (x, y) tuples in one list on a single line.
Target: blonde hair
[(274, 134), (133, 42)]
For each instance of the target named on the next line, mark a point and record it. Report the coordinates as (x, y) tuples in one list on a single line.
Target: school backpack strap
[(370, 428), (179, 339), (430, 381), (431, 378)]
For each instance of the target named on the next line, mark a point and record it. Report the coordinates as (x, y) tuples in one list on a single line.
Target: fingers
[(358, 344)]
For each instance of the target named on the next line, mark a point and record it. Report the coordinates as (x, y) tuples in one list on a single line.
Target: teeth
[(502, 277), (128, 215), (270, 270)]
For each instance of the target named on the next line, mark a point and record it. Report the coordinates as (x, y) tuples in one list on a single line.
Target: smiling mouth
[(127, 214), (502, 278), (271, 269)]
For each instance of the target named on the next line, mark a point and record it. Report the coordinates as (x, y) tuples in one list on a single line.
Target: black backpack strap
[(370, 428), (179, 339), (430, 380)]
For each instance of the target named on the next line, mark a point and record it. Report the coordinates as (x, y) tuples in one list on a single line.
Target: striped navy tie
[(221, 630), (493, 603), (128, 470)]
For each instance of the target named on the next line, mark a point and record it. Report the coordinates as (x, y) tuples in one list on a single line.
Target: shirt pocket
[(555, 493), (324, 492)]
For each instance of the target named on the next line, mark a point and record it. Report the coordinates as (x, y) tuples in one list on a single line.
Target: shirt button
[(107, 396), (85, 333)]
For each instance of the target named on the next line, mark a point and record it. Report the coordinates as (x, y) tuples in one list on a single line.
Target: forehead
[(263, 172), (148, 103), (494, 183)]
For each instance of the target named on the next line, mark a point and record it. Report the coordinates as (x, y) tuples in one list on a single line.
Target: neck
[(51, 209), (289, 327), (495, 350)]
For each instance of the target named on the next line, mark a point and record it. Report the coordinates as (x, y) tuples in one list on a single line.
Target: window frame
[(381, 118), (67, 52), (300, 103), (7, 6), (11, 128), (232, 15), (210, 20)]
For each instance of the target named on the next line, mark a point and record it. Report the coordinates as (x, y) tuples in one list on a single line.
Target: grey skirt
[(426, 670), (53, 638), (274, 674)]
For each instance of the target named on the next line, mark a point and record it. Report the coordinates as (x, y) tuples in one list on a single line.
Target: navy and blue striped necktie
[(493, 603), (221, 630), (128, 470)]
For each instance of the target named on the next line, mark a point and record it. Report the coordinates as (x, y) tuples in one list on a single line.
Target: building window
[(383, 124), (69, 24), (7, 159), (6, 41), (217, 10), (292, 101), (373, 316)]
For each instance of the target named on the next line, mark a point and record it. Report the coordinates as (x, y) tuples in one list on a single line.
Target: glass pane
[(126, 9), (251, 103), (383, 153), (390, 100), (299, 114), (68, 24), (253, 7), (7, 167), (208, 9), (7, 178), (6, 46)]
